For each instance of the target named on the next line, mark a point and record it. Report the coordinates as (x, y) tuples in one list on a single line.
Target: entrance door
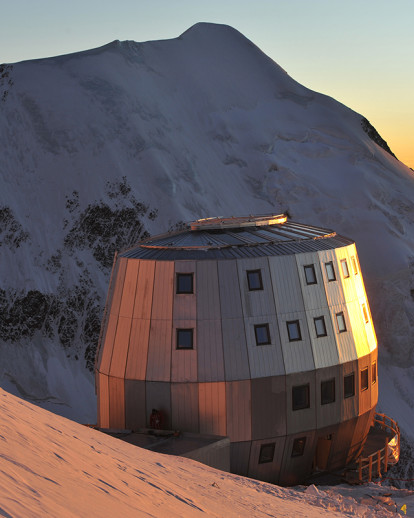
[(323, 449)]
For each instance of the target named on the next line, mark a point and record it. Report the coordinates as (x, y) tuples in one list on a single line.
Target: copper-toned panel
[(364, 363), (303, 418), (143, 295), (115, 300), (342, 441), (295, 469), (360, 434), (268, 407), (184, 406), (159, 351), (185, 304), (136, 367), (239, 413), (329, 413), (267, 471), (135, 407), (116, 403), (108, 345), (210, 351), (349, 404), (162, 300), (208, 293), (230, 301), (130, 285), (120, 350), (374, 384), (212, 408), (184, 361), (240, 457), (103, 401), (236, 360), (158, 396)]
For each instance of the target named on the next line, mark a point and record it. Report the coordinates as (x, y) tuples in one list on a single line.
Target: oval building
[(256, 328)]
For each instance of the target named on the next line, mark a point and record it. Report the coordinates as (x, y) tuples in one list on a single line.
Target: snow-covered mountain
[(54, 467), (101, 147)]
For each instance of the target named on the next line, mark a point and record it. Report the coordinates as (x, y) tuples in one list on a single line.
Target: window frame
[(333, 385), (179, 275), (305, 405), (345, 269), (348, 394), (342, 315), (322, 319), (331, 265), (374, 372), (255, 272), (363, 386), (265, 326), (310, 267), (365, 313), (177, 343), (298, 447), (297, 323), (263, 458), (354, 265)]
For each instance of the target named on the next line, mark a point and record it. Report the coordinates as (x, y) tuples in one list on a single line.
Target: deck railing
[(377, 463)]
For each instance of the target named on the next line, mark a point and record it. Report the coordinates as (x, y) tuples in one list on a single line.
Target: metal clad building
[(257, 328)]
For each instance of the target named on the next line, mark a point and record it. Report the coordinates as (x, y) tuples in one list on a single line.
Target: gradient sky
[(361, 52)]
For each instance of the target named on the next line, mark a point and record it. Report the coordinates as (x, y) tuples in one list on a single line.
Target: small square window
[(349, 385), (320, 327), (328, 391), (374, 373), (184, 283), (310, 274), (354, 265), (262, 334), (330, 271), (300, 397), (365, 313), (344, 266), (267, 452), (293, 329), (340, 320), (364, 379), (254, 279), (298, 447), (185, 338)]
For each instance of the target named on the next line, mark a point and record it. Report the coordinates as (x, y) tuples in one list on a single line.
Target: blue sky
[(358, 51)]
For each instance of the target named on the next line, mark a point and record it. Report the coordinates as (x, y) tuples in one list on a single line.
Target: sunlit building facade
[(255, 328)]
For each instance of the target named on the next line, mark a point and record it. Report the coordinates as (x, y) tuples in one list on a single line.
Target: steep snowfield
[(50, 466), (101, 146)]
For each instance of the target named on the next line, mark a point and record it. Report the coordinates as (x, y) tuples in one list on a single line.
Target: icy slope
[(99, 147), (50, 466)]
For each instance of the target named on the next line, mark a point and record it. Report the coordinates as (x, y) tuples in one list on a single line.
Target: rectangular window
[(364, 379), (330, 271), (300, 397), (340, 321), (293, 329), (185, 338), (328, 391), (267, 452), (365, 313), (354, 265), (310, 274), (298, 447), (374, 373), (262, 334), (254, 279), (349, 385), (320, 327), (184, 283), (344, 266)]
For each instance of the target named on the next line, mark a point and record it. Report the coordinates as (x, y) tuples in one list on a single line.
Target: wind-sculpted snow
[(101, 147)]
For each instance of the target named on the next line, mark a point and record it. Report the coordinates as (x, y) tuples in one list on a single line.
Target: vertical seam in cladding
[(132, 320), (276, 313), (244, 319)]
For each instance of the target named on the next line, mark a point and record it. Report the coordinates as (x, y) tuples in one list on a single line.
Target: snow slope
[(50, 466), (102, 146)]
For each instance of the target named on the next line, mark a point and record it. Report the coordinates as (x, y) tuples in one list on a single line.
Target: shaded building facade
[(255, 328)]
